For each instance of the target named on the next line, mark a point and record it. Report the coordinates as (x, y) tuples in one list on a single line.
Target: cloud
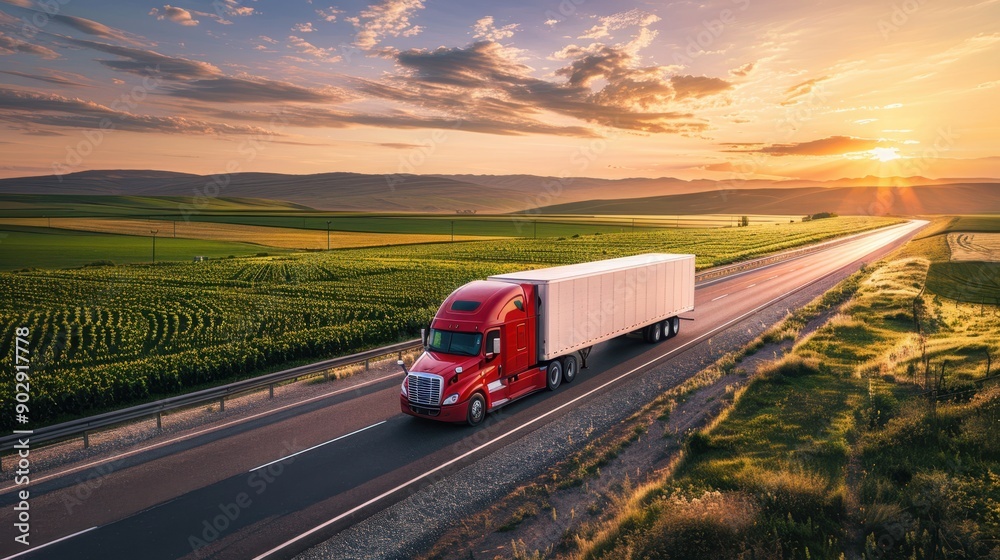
[(833, 145), (743, 71), (302, 46), (330, 14), (172, 13), (698, 86), (321, 117), (614, 22), (150, 63), (10, 45), (484, 29), (89, 26), (232, 8), (485, 80), (256, 90), (304, 27), (33, 109), (794, 93), (389, 18), (57, 80)]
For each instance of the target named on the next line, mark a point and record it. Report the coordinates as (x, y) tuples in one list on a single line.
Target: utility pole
[(534, 234), (328, 235), (453, 231), (175, 229), (154, 232)]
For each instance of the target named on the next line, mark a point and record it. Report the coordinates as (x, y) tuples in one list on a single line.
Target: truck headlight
[(452, 399), (405, 394)]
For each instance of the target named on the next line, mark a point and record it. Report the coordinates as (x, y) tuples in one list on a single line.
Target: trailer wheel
[(553, 375), (570, 368), (673, 326), (654, 333), (477, 410)]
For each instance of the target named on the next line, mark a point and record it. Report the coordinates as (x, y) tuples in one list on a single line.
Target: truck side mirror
[(496, 345), (423, 337)]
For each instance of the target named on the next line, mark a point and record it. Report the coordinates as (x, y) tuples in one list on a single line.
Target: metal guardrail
[(82, 426)]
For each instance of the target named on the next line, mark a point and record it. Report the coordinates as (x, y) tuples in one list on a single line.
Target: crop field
[(983, 247), (30, 247), (965, 258), (837, 449), (289, 238), (106, 336)]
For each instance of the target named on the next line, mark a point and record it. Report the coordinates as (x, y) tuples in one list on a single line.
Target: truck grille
[(424, 388)]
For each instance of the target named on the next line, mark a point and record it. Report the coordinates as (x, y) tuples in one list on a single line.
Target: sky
[(726, 90)]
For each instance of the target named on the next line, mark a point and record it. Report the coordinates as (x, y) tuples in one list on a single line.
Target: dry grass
[(983, 247), (289, 238)]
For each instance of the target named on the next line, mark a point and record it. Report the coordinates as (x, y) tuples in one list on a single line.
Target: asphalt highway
[(272, 484)]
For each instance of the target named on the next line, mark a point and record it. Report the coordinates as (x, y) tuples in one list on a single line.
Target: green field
[(28, 247), (105, 336), (835, 450), (969, 281)]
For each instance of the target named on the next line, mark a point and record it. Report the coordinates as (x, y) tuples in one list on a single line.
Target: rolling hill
[(959, 198), (512, 193)]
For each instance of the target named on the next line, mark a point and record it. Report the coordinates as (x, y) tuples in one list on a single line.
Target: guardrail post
[(86, 440), (159, 421), (270, 390), (326, 374), (400, 355), (222, 404), (366, 364)]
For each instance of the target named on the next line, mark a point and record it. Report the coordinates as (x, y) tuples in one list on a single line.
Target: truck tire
[(673, 326), (570, 368), (654, 333), (477, 410), (553, 375)]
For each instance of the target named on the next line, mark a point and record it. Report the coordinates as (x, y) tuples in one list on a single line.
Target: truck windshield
[(448, 342)]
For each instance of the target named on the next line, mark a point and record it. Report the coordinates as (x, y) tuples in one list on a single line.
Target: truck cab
[(479, 354)]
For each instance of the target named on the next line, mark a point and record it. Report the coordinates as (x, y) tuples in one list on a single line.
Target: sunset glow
[(723, 89)]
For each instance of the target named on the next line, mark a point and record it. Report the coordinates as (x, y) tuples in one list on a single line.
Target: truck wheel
[(654, 333), (570, 367), (477, 410), (673, 326), (553, 375)]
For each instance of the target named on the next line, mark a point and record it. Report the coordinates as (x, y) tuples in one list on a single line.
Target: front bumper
[(457, 412)]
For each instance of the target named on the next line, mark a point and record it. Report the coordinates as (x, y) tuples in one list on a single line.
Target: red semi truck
[(495, 341)]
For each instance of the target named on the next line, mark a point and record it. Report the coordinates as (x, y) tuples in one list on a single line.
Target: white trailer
[(581, 305)]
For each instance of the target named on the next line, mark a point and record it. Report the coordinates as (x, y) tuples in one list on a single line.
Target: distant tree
[(823, 215), (744, 221)]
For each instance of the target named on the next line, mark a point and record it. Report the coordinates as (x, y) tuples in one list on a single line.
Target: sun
[(885, 154)]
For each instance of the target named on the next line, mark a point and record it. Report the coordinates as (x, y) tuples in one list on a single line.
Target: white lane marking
[(773, 277), (720, 297), (205, 431), (540, 417), (338, 438), (48, 543), (751, 285)]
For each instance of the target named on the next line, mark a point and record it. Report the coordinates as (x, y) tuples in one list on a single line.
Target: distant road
[(351, 453)]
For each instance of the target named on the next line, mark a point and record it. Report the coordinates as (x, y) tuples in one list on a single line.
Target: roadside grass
[(968, 281), (834, 450)]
